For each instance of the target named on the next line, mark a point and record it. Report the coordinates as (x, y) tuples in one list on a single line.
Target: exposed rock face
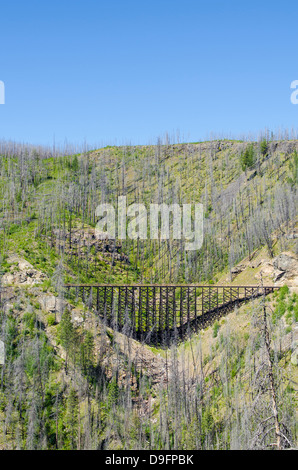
[(266, 270), (76, 316), (287, 265), (22, 273), (287, 262), (286, 147), (52, 304), (281, 270), (238, 269), (143, 358), (27, 277)]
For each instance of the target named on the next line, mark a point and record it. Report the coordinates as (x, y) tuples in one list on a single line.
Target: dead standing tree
[(271, 431)]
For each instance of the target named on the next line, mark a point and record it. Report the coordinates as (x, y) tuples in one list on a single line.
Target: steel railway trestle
[(157, 313)]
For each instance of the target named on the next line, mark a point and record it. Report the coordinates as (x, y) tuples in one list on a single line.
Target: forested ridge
[(68, 381)]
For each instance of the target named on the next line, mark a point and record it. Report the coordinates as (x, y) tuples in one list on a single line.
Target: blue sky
[(115, 72)]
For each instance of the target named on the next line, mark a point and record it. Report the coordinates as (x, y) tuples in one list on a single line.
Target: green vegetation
[(285, 303), (215, 329), (248, 157), (264, 147), (72, 384)]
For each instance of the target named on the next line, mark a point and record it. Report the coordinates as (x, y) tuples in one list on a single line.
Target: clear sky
[(128, 71)]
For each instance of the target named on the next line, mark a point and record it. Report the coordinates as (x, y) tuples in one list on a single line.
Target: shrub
[(51, 320), (296, 313), (279, 311), (283, 291), (247, 158), (215, 329), (264, 147)]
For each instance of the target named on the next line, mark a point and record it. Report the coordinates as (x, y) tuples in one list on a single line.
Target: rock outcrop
[(283, 269), (22, 273), (51, 304)]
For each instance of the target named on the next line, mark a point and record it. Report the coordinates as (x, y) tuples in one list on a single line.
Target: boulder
[(287, 262), (27, 277), (238, 269), (76, 316), (283, 269)]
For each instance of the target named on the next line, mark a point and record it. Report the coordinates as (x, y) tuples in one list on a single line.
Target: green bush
[(264, 147), (289, 317), (296, 313), (279, 311), (283, 291), (215, 329), (247, 158), (51, 320)]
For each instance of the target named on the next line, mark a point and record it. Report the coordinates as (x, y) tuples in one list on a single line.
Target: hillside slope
[(68, 381)]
